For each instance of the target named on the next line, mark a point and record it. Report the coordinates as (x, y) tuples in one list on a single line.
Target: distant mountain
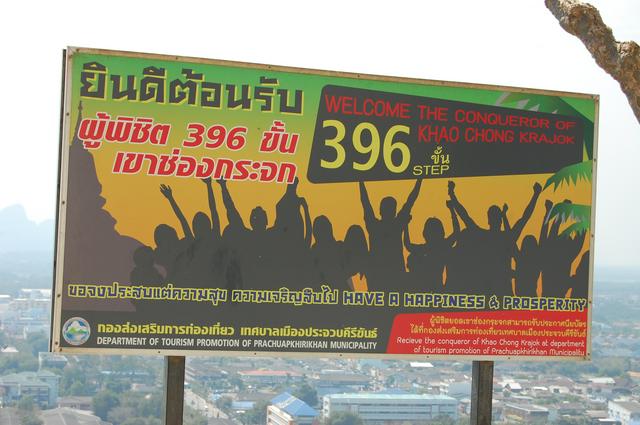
[(26, 251), (19, 234), (25, 269)]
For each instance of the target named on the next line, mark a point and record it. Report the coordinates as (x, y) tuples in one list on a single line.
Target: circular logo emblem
[(76, 331)]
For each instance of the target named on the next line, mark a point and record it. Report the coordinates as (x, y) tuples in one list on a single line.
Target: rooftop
[(43, 355), (9, 416), (67, 416), (268, 373), (527, 407), (242, 405), (603, 380), (26, 378), (220, 421), (352, 377), (631, 406), (421, 364), (387, 396), (75, 399), (293, 405)]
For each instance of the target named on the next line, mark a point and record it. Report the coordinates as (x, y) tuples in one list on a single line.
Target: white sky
[(516, 43)]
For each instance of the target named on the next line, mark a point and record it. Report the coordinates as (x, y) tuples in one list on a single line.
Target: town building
[(76, 402), (204, 373), (385, 408), (67, 416), (41, 386), (459, 389), (242, 406), (28, 313), (9, 350), (269, 377), (58, 416), (286, 409), (51, 361), (334, 382), (627, 412), (529, 414)]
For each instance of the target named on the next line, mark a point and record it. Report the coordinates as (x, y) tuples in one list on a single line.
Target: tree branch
[(621, 60)]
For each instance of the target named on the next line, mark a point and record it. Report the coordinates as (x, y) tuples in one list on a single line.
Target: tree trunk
[(620, 59)]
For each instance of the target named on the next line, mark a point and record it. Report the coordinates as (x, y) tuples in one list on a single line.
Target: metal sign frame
[(66, 130)]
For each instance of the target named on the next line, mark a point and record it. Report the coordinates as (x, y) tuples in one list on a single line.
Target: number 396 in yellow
[(389, 145)]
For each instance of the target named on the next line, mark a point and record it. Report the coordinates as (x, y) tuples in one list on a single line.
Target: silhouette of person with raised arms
[(326, 255), (292, 232), (167, 192), (289, 222), (558, 253), (529, 259), (247, 249), (170, 249), (211, 200), (144, 272), (528, 268), (258, 249), (355, 257), (196, 264), (485, 254), (427, 262), (580, 281), (205, 257), (385, 238)]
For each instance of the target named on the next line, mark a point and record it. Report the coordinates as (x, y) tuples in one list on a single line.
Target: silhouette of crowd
[(297, 252)]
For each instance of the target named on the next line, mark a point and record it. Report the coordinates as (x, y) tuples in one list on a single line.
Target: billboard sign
[(218, 207)]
